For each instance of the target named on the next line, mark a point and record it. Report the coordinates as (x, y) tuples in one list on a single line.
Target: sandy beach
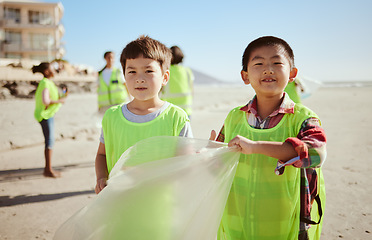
[(33, 207)]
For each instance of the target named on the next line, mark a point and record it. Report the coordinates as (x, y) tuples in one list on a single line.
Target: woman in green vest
[(47, 103)]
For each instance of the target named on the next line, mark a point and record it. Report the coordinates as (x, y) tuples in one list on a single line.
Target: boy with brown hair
[(179, 89), (272, 132), (145, 63)]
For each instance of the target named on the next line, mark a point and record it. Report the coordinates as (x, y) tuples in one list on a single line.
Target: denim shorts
[(47, 126)]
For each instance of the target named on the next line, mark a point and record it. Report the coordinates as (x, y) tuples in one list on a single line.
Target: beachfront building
[(31, 30)]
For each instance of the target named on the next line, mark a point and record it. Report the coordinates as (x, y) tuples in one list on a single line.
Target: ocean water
[(332, 84), (308, 83)]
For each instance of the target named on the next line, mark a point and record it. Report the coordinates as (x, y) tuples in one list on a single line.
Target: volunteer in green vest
[(145, 63), (283, 148), (294, 90), (179, 89), (111, 89), (47, 103)]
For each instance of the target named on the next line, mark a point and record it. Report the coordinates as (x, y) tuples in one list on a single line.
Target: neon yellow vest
[(262, 205), (41, 112), (114, 93), (179, 88), (120, 134), (315, 230)]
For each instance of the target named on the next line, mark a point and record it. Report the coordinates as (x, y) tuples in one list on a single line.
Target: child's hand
[(243, 144), (213, 135), (62, 100), (101, 184)]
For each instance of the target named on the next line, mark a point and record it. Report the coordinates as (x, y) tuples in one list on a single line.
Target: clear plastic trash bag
[(161, 188)]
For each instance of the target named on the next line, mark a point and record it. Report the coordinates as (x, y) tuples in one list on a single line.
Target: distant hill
[(202, 78)]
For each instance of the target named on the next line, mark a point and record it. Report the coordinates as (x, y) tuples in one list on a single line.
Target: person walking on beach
[(294, 89), (145, 63), (272, 132), (111, 89), (47, 103), (179, 89)]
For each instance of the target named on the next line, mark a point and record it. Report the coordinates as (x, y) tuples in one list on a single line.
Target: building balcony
[(9, 22), (14, 24), (12, 47), (17, 48)]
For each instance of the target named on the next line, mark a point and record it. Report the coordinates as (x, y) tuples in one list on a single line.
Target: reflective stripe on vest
[(176, 95), (262, 205), (179, 88), (114, 93)]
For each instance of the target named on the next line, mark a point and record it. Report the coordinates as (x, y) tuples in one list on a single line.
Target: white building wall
[(52, 45)]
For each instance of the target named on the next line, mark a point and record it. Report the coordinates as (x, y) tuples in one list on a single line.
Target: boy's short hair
[(177, 55), (106, 53), (148, 48), (267, 41)]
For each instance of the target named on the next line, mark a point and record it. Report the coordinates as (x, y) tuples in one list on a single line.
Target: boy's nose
[(140, 80), (268, 71)]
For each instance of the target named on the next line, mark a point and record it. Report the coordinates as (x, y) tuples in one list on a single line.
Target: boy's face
[(268, 71), (144, 78)]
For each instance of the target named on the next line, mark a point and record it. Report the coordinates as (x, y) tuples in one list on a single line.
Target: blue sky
[(332, 40)]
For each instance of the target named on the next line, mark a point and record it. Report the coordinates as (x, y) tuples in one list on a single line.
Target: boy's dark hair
[(267, 41), (40, 68), (148, 48), (177, 55), (106, 53)]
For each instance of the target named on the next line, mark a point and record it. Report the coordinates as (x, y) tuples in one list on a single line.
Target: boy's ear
[(166, 78), (293, 74), (244, 75)]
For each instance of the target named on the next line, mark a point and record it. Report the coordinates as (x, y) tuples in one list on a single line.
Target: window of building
[(41, 41), (13, 38), (12, 14), (36, 17)]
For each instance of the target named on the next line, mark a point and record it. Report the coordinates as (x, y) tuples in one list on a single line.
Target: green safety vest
[(315, 230), (114, 93), (262, 205), (41, 111), (292, 91), (179, 88), (120, 134)]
